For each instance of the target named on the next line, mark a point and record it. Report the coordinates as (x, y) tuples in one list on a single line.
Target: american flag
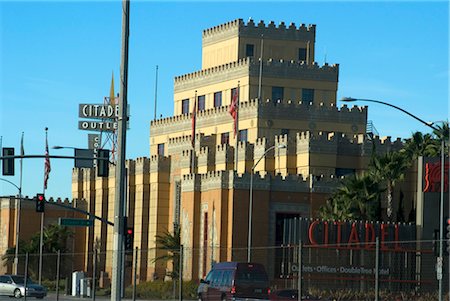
[(234, 109), (47, 167)]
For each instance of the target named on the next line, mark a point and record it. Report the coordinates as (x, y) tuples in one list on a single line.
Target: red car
[(290, 294)]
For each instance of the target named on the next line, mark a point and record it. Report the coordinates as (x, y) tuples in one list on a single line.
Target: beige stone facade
[(205, 189)]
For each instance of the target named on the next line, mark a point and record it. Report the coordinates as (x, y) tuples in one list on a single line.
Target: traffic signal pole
[(119, 202)]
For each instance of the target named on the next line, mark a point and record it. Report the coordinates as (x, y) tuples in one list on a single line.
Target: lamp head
[(57, 147), (348, 99), (282, 146)]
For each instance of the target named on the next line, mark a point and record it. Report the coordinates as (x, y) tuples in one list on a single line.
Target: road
[(62, 297)]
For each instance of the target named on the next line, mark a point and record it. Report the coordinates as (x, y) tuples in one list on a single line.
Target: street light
[(250, 208), (63, 147), (441, 134)]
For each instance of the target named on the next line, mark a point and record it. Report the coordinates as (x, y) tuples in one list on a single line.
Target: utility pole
[(119, 201)]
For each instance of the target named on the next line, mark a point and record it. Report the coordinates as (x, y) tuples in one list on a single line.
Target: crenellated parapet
[(206, 159), (216, 180), (205, 74), (142, 165), (245, 151), (65, 201), (343, 144), (186, 159), (178, 144), (253, 30), (159, 164), (275, 68), (296, 70), (385, 144), (314, 115), (224, 157), (130, 165), (190, 183)]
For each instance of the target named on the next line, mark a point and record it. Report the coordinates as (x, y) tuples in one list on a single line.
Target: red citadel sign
[(432, 178), (355, 235)]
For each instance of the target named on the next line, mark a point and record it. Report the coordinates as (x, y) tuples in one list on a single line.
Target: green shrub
[(162, 290)]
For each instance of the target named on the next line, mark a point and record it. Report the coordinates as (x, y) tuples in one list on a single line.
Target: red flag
[(194, 120), (234, 109), (47, 164)]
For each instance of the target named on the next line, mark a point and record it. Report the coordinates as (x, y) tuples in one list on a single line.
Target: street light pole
[(441, 216), (120, 181), (250, 206)]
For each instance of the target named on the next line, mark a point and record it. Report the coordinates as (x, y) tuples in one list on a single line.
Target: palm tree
[(55, 238), (389, 168), (171, 243), (420, 145), (357, 198)]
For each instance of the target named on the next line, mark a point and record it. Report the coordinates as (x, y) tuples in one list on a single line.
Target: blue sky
[(55, 55)]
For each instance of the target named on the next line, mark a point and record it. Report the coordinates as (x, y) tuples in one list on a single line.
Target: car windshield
[(254, 273), (21, 279)]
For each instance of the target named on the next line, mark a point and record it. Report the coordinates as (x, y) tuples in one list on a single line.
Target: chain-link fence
[(360, 271)]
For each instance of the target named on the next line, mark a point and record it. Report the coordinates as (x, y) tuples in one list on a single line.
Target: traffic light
[(102, 163), (8, 164), (129, 237), (40, 202)]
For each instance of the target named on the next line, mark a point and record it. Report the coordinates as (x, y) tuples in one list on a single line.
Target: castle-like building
[(290, 133)]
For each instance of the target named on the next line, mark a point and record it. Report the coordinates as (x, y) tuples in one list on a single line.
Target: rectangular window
[(233, 91), (308, 95), (225, 138), (277, 93), (185, 106), (249, 50), (344, 171), (243, 135), (201, 102), (217, 99), (205, 242), (302, 54), (161, 149), (176, 218)]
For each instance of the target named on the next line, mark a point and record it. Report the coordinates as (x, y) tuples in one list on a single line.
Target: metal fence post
[(180, 274), (135, 273), (58, 266), (377, 267), (26, 276), (94, 273), (300, 272)]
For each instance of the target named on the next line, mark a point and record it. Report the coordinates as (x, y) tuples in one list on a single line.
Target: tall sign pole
[(119, 201)]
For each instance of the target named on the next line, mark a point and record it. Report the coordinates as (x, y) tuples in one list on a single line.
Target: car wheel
[(17, 293)]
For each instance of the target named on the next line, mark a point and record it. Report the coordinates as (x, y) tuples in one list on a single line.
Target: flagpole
[(212, 236), (260, 68), (237, 129), (41, 238), (156, 90), (18, 205)]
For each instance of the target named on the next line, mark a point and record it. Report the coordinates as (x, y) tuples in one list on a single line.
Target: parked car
[(234, 281), (14, 286), (290, 294)]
